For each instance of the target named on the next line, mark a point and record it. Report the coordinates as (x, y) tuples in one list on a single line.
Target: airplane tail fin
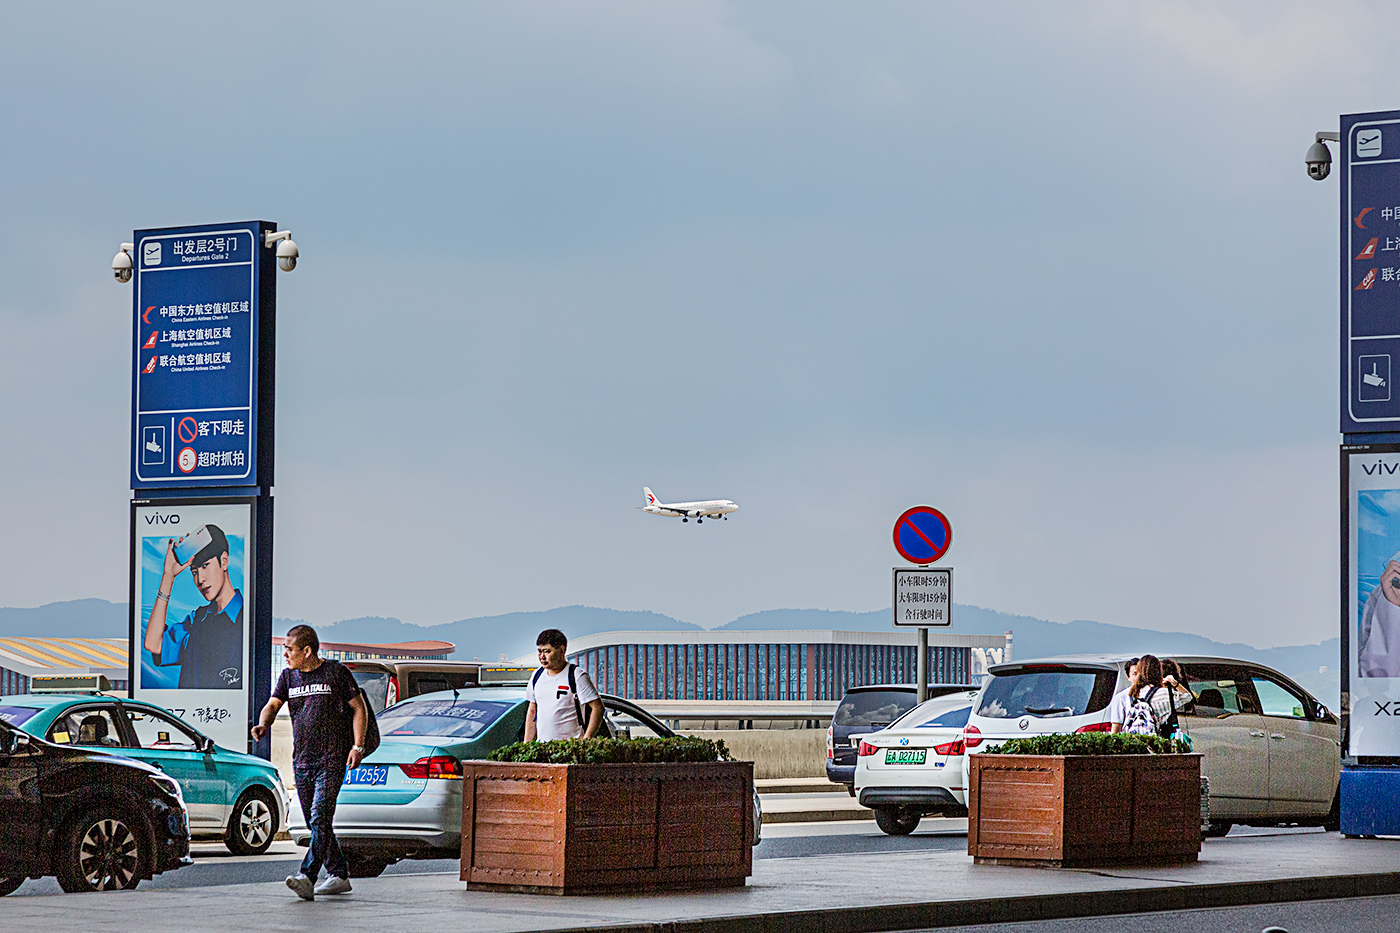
[(651, 498)]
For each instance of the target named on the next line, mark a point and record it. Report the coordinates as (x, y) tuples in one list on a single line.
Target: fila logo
[(1368, 280), (1370, 251)]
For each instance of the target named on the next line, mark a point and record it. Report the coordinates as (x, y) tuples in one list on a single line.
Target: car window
[(432, 681), (93, 727), (956, 718), (627, 726), (155, 731), (873, 707), (1220, 690), (1277, 700), (461, 719), (16, 715), (1052, 691), (376, 686), (948, 710)]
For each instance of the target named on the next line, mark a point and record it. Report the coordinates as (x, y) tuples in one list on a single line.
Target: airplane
[(712, 508)]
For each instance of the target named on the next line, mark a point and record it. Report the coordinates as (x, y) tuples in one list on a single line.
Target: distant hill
[(513, 634)]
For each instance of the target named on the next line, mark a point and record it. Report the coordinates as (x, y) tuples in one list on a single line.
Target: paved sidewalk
[(849, 893)]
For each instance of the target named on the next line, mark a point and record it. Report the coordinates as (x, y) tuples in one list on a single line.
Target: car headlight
[(169, 785)]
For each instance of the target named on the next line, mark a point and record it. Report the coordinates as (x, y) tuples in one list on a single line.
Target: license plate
[(906, 756), (367, 775)]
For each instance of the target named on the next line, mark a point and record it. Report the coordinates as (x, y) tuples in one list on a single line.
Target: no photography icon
[(922, 535)]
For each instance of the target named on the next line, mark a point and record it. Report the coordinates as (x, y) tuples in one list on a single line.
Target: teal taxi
[(228, 794)]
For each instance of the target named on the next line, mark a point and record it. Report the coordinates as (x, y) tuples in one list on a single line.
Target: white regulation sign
[(923, 597)]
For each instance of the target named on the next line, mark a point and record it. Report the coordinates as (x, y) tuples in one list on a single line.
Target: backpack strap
[(573, 692)]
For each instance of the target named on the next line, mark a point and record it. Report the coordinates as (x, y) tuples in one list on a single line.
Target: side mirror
[(206, 744), (15, 742)]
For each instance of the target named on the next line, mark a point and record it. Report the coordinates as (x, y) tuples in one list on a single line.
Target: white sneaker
[(334, 885), (302, 885)]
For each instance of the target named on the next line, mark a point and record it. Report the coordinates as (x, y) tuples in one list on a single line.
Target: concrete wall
[(775, 753)]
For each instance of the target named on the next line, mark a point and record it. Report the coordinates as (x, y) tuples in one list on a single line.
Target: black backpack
[(573, 693)]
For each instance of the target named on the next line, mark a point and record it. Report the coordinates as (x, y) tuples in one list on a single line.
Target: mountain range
[(512, 635)]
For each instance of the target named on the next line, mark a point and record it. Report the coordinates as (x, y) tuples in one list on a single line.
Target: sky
[(1055, 269)]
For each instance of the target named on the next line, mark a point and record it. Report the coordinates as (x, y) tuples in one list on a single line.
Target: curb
[(916, 916), (815, 816)]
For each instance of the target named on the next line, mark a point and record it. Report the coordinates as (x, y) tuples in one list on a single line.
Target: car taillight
[(972, 736), (1096, 727), (438, 766), (391, 695), (954, 747), (865, 748)]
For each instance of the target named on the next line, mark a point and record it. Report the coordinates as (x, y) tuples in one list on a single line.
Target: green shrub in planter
[(602, 751), (1090, 743)]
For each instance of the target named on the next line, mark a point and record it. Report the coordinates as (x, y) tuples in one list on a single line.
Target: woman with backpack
[(1142, 717)]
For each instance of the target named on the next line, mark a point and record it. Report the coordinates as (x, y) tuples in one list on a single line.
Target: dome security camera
[(287, 255), (121, 264), (1319, 160)]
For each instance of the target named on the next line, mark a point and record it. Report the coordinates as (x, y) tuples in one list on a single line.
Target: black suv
[(865, 709), (96, 821)]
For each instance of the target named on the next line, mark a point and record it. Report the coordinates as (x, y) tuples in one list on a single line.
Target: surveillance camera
[(121, 266), (286, 255), (1319, 161)]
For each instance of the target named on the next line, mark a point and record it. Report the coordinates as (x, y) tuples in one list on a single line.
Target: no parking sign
[(922, 535)]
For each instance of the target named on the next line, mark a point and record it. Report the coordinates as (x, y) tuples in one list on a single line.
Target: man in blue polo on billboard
[(207, 644)]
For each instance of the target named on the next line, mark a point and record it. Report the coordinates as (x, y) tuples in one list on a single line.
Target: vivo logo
[(159, 519), (1380, 467)]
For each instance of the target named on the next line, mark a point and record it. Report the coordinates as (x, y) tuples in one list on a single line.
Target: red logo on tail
[(1370, 251), (150, 343), (1366, 282)]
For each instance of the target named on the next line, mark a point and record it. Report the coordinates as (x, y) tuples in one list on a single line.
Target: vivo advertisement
[(192, 593)]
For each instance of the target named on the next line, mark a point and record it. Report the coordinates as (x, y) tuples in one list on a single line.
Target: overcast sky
[(1055, 268)]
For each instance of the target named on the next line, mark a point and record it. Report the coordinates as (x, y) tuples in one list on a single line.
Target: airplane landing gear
[(685, 519), (699, 520)]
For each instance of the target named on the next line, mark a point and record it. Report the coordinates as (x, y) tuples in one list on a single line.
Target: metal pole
[(921, 667)]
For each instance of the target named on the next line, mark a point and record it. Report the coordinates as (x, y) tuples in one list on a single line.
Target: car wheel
[(362, 866), (1215, 829), (103, 849), (1333, 822), (8, 884), (896, 822), (252, 825)]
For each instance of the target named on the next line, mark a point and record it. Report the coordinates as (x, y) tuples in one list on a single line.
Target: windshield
[(939, 711), (376, 687), (873, 707), (16, 715), (463, 719), (1050, 692)]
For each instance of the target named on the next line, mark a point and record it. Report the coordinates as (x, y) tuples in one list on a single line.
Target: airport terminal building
[(775, 666)]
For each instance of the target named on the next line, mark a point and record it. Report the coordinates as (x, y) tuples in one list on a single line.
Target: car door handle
[(1278, 736), (1255, 735)]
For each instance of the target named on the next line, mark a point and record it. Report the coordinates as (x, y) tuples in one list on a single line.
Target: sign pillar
[(204, 331), (922, 597)]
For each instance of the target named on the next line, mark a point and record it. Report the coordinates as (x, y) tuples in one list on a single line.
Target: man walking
[(329, 720), (559, 693)]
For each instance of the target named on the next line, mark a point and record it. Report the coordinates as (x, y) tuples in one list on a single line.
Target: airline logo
[(150, 367), (651, 500), (1368, 280), (1357, 219), (1370, 251), (150, 343)]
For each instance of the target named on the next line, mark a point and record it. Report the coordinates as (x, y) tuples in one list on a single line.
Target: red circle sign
[(187, 460), (187, 429), (922, 535)]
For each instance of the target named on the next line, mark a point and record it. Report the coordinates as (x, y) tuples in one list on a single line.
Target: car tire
[(363, 866), (1215, 829), (1333, 821), (102, 849), (896, 822), (10, 883), (253, 823)]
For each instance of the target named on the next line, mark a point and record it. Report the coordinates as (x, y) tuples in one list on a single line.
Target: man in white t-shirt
[(561, 696), (1118, 706)]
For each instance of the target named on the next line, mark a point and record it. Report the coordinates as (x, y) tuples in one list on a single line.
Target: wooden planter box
[(577, 829), (1084, 810)]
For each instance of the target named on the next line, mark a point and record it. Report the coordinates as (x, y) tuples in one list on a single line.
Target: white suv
[(1272, 753)]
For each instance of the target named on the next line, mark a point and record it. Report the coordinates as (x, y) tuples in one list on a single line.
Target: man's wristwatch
[(358, 748)]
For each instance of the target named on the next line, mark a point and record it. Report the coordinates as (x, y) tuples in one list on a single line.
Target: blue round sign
[(922, 535)]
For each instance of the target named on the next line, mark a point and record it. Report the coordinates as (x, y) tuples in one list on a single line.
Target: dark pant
[(317, 788)]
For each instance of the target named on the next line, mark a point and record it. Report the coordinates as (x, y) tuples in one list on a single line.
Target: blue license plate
[(367, 775)]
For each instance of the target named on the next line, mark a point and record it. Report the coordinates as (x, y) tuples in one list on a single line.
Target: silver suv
[(1271, 751)]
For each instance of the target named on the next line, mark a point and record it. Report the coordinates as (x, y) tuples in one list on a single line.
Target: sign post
[(922, 597), (1369, 153), (204, 315)]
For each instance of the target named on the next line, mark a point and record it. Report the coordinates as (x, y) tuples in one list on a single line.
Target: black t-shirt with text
[(323, 724)]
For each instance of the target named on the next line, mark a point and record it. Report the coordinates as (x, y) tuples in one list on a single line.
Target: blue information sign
[(1370, 183), (195, 356)]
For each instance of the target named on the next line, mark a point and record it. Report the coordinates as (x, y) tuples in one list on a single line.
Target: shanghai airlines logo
[(1369, 252), (150, 343)]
